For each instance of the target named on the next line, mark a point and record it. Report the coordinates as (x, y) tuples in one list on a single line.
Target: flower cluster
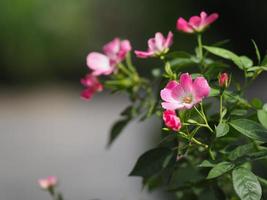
[(196, 125)]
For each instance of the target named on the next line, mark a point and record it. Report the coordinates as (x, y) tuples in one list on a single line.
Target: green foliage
[(220, 169), (246, 184)]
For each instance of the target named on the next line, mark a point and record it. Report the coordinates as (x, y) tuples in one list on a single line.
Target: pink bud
[(92, 85), (224, 80), (47, 183), (171, 120)]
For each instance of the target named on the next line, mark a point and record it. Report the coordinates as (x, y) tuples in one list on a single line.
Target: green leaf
[(225, 54), (151, 162), (222, 129), (262, 116), (117, 129), (257, 103), (220, 169), (246, 184), (250, 129), (257, 51), (241, 151), (239, 112), (214, 92), (247, 62), (206, 163), (264, 61)]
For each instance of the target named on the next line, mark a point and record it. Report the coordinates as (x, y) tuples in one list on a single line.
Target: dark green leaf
[(241, 151), (222, 129), (250, 129), (151, 162), (246, 184), (225, 54), (220, 169), (239, 112), (257, 103), (117, 129)]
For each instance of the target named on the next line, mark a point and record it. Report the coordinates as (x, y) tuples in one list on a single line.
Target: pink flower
[(185, 94), (171, 120), (104, 64), (196, 23), (156, 46), (47, 183), (223, 80), (117, 49), (92, 85)]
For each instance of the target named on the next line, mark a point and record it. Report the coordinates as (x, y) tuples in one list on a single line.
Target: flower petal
[(169, 40), (210, 19), (186, 82), (182, 25), (143, 54), (98, 62), (201, 88)]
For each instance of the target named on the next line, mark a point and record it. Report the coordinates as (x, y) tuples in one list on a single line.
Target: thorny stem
[(221, 107)]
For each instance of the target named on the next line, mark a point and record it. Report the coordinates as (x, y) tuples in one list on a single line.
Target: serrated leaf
[(246, 184), (250, 129), (225, 54), (151, 162), (117, 129), (222, 129), (220, 169), (241, 151)]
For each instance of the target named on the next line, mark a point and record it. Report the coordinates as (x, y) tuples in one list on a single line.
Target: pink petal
[(186, 82), (159, 41), (112, 47), (171, 106), (195, 22), (210, 19), (126, 46), (87, 94), (203, 15), (169, 40), (182, 25), (201, 88), (171, 84), (143, 54), (98, 62)]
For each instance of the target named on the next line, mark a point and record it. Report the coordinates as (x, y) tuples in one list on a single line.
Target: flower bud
[(224, 80), (171, 120), (48, 183)]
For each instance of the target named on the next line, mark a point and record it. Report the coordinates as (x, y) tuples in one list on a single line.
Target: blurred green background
[(44, 41)]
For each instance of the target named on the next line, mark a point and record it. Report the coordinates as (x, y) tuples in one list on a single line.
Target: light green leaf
[(206, 163), (220, 169), (246, 184), (247, 62), (250, 129), (225, 54), (262, 116), (257, 51), (222, 129)]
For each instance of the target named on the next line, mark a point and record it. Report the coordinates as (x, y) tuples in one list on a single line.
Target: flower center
[(187, 99)]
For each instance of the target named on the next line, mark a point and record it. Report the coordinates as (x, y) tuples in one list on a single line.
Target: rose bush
[(211, 134)]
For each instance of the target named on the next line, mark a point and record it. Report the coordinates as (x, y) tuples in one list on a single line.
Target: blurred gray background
[(47, 130)]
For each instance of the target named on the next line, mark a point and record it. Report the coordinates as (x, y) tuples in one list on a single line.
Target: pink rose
[(156, 46), (224, 80), (196, 23), (184, 94), (114, 52)]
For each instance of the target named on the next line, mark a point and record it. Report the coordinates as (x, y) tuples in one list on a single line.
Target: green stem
[(221, 107), (203, 116), (184, 135), (129, 63), (124, 69), (200, 46)]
